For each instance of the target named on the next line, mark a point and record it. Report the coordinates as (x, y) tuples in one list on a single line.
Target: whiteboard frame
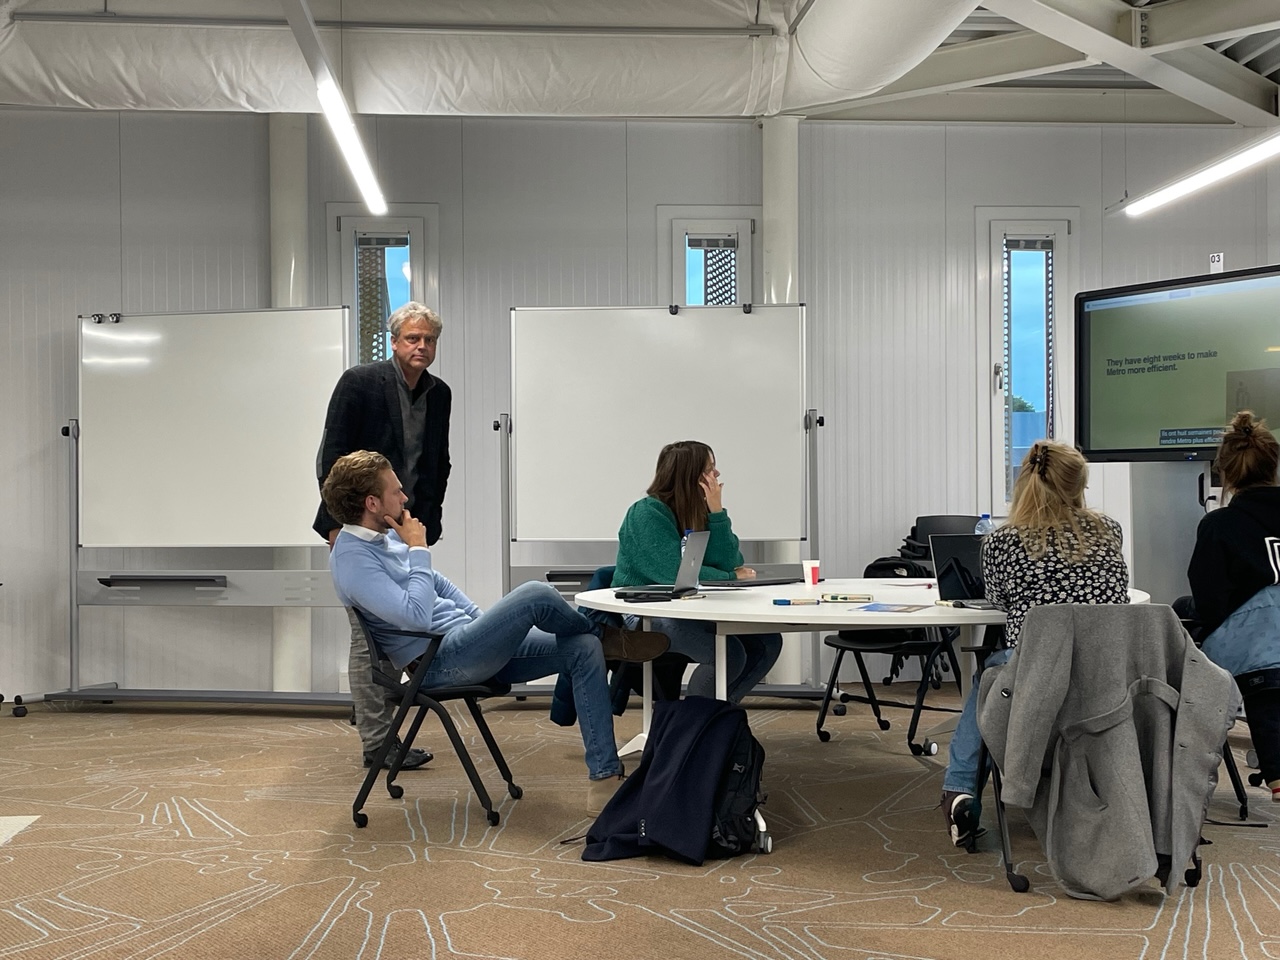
[(791, 424), (149, 479)]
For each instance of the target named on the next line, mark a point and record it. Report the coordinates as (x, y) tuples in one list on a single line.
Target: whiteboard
[(598, 391), (202, 429)]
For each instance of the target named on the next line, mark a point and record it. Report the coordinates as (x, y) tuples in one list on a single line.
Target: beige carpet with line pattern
[(147, 831)]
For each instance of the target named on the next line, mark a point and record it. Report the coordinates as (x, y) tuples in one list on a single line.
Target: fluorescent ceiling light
[(1217, 171), (344, 131), (334, 104)]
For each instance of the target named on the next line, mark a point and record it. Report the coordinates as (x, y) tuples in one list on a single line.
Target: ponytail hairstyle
[(1048, 503), (677, 482), (1248, 454)]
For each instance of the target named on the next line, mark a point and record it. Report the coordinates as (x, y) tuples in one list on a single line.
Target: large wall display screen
[(1161, 368)]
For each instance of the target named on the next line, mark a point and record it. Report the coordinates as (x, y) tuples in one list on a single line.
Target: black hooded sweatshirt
[(1237, 554)]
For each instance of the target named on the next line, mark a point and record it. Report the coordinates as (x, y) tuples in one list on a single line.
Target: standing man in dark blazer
[(398, 409)]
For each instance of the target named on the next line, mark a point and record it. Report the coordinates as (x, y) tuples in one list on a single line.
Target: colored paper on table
[(892, 607)]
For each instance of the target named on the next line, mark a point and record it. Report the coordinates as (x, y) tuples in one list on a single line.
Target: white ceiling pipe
[(840, 50)]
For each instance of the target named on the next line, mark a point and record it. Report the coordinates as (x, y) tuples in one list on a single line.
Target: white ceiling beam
[(1031, 105), (1090, 25), (1193, 23), (975, 64)]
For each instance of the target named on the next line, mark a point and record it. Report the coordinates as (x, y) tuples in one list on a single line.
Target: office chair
[(929, 645), (1165, 705), (915, 546), (411, 693), (1185, 608)]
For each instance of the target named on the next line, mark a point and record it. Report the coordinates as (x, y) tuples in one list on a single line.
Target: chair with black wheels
[(1185, 608), (1107, 723), (915, 546), (932, 647), (411, 693)]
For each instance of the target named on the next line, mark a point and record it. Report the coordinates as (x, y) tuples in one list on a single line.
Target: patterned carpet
[(189, 832)]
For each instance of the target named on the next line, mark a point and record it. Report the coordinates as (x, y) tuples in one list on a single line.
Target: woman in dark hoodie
[(1235, 581)]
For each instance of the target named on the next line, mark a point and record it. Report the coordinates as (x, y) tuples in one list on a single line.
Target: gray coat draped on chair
[(1109, 724)]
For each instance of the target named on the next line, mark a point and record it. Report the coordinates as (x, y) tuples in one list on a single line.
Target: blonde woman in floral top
[(1052, 549)]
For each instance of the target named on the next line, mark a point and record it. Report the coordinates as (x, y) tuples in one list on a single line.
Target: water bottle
[(984, 525)]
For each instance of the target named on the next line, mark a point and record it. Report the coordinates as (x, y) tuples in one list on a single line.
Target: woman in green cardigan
[(686, 494)]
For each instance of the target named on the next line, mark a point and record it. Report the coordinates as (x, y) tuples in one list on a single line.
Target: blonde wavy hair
[(1048, 503)]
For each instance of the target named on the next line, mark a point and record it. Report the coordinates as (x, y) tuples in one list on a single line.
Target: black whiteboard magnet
[(673, 309), (746, 308)]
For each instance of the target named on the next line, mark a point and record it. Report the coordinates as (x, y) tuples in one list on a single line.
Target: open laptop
[(957, 561), (686, 577)]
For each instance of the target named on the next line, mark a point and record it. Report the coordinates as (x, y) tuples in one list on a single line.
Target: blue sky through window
[(1027, 340)]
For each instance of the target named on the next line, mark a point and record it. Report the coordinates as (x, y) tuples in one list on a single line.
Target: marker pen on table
[(798, 602)]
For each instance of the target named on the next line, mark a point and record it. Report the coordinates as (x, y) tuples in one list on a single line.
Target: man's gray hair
[(413, 310)]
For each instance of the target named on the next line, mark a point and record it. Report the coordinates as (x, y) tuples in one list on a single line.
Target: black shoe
[(414, 759), (962, 825)]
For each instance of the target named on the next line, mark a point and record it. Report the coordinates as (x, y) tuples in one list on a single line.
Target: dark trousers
[(1262, 709)]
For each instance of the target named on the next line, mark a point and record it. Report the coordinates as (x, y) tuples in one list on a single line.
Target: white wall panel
[(59, 256), (882, 341), (692, 164)]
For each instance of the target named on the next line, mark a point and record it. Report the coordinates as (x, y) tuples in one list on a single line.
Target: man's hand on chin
[(409, 529)]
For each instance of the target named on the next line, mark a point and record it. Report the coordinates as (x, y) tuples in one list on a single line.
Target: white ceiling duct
[(582, 58)]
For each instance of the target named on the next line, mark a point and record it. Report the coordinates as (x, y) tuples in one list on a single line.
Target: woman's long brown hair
[(676, 482)]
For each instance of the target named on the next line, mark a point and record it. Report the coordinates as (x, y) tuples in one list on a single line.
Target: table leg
[(636, 744), (722, 666)]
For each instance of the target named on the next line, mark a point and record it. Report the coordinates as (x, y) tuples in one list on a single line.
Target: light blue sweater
[(396, 588)]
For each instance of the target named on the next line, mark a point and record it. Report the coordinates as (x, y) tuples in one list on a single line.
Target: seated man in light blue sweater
[(381, 564)]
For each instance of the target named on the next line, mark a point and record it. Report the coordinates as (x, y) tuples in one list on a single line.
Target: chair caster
[(884, 724), (764, 843), (492, 817), (844, 697), (514, 791), (361, 819), (1255, 779), (18, 709), (1017, 882), (824, 735), (926, 749), (395, 790), (839, 709)]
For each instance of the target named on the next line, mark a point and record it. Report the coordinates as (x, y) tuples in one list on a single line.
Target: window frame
[(1062, 224)]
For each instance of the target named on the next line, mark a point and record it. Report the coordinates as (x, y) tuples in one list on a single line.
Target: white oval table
[(752, 610)]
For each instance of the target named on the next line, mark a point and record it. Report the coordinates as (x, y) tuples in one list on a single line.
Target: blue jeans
[(532, 633), (748, 657), (963, 775)]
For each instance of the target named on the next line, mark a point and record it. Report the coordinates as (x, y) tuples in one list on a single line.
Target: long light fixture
[(334, 105), (344, 130), (1233, 163)]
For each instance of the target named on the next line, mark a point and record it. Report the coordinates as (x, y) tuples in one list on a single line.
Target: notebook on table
[(957, 561), (695, 548)]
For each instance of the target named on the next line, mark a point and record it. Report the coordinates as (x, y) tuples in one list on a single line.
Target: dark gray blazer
[(364, 414)]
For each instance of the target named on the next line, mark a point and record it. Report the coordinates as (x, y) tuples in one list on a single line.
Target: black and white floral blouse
[(1016, 583)]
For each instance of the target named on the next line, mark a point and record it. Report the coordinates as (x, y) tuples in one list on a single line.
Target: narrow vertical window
[(383, 281), (1028, 379)]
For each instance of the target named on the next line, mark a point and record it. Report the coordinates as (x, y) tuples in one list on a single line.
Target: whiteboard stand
[(257, 588), (183, 390)]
